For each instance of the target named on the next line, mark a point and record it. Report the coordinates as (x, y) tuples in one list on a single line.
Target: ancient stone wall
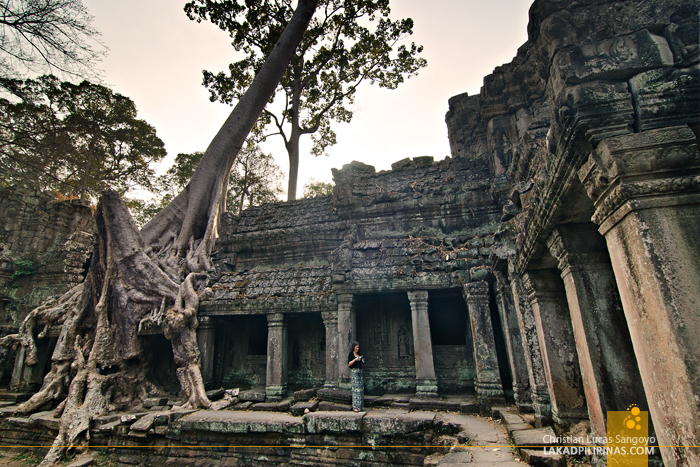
[(44, 249), (595, 125), (423, 225)]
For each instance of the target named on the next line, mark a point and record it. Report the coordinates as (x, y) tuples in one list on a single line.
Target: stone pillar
[(539, 391), (277, 357), (346, 336), (205, 340), (514, 344), (646, 190), (330, 321), (609, 370), (558, 347), (426, 382), (489, 388)]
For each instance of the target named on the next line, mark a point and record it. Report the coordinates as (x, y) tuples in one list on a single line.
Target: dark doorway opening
[(385, 335), (307, 352), (240, 355), (452, 341), (161, 363)]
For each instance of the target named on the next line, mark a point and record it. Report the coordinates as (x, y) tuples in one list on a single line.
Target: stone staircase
[(529, 442)]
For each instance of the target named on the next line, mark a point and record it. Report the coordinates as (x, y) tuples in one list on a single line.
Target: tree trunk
[(293, 152), (293, 144), (135, 276)]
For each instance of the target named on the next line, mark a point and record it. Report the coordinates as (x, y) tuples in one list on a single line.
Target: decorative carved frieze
[(641, 165)]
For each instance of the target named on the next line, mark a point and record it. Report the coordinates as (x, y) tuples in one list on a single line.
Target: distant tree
[(312, 189), (77, 138), (47, 36), (254, 179), (347, 43)]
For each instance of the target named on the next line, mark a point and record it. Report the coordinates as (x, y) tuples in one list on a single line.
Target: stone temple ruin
[(552, 262)]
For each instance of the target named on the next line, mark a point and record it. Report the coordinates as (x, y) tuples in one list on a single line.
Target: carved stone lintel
[(641, 165)]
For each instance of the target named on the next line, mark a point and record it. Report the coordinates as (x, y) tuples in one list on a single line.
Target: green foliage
[(77, 138), (255, 179), (23, 268), (312, 189), (346, 44)]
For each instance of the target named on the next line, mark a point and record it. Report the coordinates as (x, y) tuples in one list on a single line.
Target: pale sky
[(157, 56)]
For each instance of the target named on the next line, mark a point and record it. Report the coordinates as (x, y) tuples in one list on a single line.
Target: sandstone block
[(333, 422), (536, 437)]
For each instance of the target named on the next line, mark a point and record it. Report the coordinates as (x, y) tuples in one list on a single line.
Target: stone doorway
[(453, 353), (241, 351), (307, 351), (385, 334)]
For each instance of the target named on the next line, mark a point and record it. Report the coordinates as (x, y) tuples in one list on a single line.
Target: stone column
[(489, 387), (346, 336), (646, 190), (205, 340), (558, 347), (277, 357), (330, 321), (426, 382), (514, 344), (609, 370), (539, 391)]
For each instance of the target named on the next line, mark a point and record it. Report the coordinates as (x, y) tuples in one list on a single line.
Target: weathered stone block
[(333, 422), (326, 406), (300, 408), (536, 437), (540, 459)]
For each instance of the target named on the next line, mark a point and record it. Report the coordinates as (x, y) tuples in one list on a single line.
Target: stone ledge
[(393, 422), (333, 422), (535, 437), (240, 422)]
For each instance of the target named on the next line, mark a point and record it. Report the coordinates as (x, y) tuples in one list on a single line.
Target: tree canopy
[(40, 36), (346, 44), (78, 138), (312, 189), (255, 179)]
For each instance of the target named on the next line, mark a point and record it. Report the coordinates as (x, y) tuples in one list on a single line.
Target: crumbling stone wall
[(44, 248), (422, 225), (595, 125)]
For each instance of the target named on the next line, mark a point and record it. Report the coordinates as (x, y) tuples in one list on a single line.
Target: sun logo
[(632, 420)]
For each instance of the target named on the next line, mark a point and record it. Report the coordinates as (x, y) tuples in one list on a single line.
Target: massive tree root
[(135, 275)]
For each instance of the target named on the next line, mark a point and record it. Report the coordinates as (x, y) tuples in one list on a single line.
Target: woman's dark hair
[(352, 347)]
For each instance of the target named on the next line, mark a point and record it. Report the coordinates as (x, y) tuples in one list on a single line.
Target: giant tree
[(153, 275), (348, 42), (79, 138)]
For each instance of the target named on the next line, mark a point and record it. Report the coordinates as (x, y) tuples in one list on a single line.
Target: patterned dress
[(358, 383)]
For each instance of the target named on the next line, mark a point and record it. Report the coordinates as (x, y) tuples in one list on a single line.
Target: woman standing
[(355, 362)]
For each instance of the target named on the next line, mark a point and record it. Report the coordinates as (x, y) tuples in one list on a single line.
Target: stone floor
[(507, 439), (488, 445)]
